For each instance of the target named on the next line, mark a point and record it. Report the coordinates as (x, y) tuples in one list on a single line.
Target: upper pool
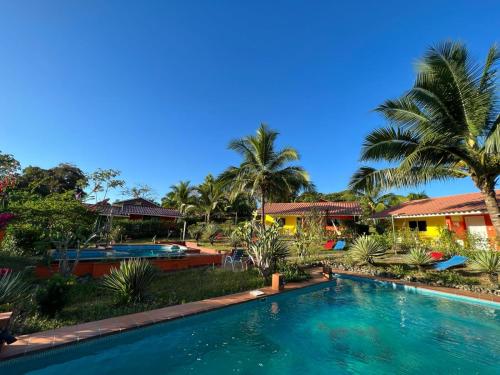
[(347, 326), (126, 251)]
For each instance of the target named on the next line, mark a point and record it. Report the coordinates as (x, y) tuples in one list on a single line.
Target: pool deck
[(45, 340)]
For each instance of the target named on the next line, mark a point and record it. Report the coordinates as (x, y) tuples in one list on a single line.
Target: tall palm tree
[(446, 126), (211, 196), (181, 196), (264, 171)]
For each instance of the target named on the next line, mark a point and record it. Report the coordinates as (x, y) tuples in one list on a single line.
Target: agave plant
[(267, 249), (488, 262), (12, 288), (131, 281), (365, 248), (419, 257)]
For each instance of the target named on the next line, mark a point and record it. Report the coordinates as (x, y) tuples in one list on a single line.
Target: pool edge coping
[(439, 290), (70, 335)]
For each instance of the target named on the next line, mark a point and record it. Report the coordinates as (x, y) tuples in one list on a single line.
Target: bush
[(196, 231), (12, 288), (131, 282), (9, 245), (210, 232), (365, 248), (419, 257), (292, 272), (53, 296), (488, 262)]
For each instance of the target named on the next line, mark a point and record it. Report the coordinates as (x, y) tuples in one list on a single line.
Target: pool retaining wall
[(101, 268)]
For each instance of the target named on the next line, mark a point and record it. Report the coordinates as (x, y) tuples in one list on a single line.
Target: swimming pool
[(348, 326), (126, 251)]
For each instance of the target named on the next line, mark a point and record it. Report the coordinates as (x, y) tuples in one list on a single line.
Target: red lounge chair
[(329, 245), (436, 255)]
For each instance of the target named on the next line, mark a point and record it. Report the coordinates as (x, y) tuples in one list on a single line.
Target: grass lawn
[(88, 302)]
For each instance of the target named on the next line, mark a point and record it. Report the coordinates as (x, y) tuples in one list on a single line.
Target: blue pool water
[(127, 251), (346, 327)]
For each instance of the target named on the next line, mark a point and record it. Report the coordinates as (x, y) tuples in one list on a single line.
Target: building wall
[(456, 223), (290, 226), (434, 223)]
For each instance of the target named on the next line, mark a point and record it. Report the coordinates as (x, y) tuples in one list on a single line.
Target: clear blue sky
[(157, 89)]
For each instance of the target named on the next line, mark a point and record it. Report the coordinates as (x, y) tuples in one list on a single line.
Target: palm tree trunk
[(263, 213), (491, 202)]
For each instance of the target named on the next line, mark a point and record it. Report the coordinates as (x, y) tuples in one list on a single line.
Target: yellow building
[(290, 215), (459, 213)]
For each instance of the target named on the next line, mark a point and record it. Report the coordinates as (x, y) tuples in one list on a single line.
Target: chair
[(456, 260), (436, 255), (329, 245), (234, 258), (340, 245)]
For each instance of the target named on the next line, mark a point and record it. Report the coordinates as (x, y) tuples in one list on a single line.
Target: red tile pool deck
[(71, 334)]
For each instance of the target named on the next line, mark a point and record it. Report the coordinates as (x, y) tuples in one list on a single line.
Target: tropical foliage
[(12, 288), (365, 249), (488, 262), (419, 257), (131, 281), (446, 126), (265, 172)]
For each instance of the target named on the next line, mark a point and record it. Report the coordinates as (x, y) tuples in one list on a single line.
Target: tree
[(211, 196), (446, 126), (64, 177), (9, 168), (181, 196), (140, 191), (374, 200), (264, 171), (60, 218), (102, 181)]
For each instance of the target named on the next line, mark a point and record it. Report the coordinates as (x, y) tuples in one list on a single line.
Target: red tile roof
[(301, 208), (134, 207), (453, 204)]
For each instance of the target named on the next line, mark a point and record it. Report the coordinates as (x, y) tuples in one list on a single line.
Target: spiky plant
[(418, 257), (365, 249), (488, 262), (12, 288), (446, 126), (130, 282)]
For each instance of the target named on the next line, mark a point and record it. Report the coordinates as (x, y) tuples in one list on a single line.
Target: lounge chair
[(234, 258), (329, 245), (456, 260), (436, 255), (340, 245)]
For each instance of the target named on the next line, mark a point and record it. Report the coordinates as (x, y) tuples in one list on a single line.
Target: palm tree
[(181, 196), (211, 196), (374, 200), (264, 171), (446, 126)]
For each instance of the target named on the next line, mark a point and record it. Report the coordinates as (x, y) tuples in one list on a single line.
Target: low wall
[(101, 268)]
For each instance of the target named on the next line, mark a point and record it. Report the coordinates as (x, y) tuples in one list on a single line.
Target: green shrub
[(12, 288), (449, 278), (487, 262), (365, 249), (131, 282), (397, 270), (53, 296), (9, 245), (292, 272), (419, 257), (210, 232)]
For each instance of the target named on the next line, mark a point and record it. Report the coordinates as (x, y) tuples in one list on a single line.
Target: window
[(280, 221), (420, 225)]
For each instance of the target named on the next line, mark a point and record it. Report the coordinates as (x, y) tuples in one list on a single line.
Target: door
[(477, 227)]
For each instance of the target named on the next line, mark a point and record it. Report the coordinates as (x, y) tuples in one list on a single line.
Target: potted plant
[(12, 291)]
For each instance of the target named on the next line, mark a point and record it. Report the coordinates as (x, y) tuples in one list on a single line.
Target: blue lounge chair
[(340, 245), (236, 257), (456, 260)]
